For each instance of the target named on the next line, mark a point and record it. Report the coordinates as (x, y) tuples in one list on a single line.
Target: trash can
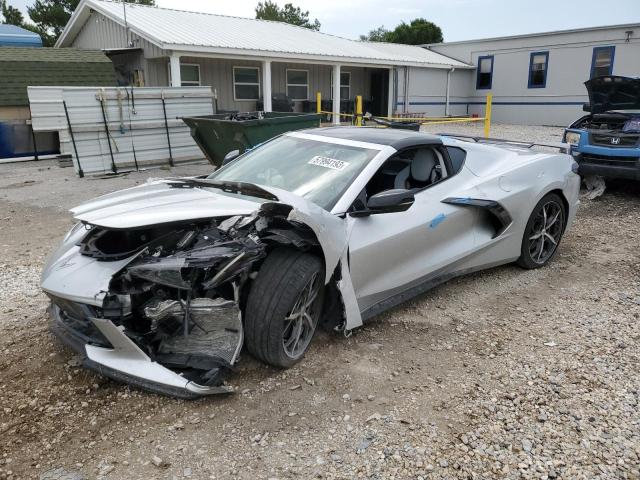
[(219, 134)]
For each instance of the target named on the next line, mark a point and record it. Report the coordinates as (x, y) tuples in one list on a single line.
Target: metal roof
[(22, 67), (189, 32), (11, 35), (536, 34)]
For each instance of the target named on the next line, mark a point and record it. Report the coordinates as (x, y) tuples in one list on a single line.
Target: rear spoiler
[(562, 147)]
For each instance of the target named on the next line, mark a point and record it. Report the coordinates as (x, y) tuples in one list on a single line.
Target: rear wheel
[(284, 306), (543, 232)]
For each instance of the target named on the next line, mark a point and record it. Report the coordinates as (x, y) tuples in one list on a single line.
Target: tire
[(539, 244), (273, 317)]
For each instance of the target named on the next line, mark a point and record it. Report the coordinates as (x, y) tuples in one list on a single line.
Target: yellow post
[(487, 116), (359, 111), (318, 102)]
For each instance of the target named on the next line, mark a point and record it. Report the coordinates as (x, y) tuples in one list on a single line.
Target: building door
[(379, 93)]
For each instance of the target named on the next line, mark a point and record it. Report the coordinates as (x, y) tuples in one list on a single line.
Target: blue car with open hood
[(606, 142)]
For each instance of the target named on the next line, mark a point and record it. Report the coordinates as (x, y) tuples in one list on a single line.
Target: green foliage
[(51, 16), (418, 32), (380, 34), (11, 15), (289, 14)]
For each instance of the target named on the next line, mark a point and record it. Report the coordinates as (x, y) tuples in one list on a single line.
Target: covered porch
[(242, 84)]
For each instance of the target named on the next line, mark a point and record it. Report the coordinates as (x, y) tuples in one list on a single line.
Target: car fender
[(332, 234)]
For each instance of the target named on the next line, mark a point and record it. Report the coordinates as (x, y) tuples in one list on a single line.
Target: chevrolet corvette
[(162, 285)]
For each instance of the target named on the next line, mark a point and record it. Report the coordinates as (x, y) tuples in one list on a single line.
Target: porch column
[(390, 98), (266, 85), (448, 94), (174, 62), (336, 94)]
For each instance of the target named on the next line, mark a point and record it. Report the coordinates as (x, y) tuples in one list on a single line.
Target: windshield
[(316, 170)]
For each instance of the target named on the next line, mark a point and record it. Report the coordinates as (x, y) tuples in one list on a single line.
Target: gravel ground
[(505, 373)]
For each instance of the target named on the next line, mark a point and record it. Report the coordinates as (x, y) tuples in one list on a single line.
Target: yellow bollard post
[(359, 111), (318, 102), (487, 116)]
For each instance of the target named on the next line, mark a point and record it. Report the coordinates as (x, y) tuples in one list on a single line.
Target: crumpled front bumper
[(112, 354)]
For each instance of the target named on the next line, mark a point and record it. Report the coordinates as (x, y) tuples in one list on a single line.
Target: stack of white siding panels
[(134, 118)]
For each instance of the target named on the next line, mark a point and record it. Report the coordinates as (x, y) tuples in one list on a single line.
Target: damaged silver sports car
[(161, 285)]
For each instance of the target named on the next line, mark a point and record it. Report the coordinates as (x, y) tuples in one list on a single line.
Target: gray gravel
[(502, 374)]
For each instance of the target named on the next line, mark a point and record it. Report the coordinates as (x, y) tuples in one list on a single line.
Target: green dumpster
[(219, 134)]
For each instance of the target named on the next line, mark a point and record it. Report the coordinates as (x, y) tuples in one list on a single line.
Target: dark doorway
[(127, 63), (379, 92)]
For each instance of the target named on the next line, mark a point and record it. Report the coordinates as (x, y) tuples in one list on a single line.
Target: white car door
[(391, 253)]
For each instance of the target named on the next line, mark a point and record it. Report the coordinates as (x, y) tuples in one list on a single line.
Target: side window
[(412, 169), (484, 77), (345, 85), (297, 84), (190, 74), (246, 83), (457, 156), (602, 61), (538, 63)]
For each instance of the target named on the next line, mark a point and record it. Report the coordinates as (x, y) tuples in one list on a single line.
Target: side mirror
[(389, 201), (586, 107), (232, 155)]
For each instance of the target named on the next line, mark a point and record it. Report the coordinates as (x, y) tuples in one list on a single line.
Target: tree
[(418, 32), (288, 14), (51, 16), (380, 34), (11, 15)]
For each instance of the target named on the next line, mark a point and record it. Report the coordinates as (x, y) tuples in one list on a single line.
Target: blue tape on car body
[(438, 219)]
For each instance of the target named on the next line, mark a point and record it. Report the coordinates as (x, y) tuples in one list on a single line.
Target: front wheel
[(543, 232), (284, 306)]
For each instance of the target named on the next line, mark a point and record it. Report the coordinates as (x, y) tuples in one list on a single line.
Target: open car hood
[(613, 93)]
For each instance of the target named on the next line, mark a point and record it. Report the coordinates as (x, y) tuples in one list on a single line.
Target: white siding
[(99, 33), (569, 66), (141, 128), (428, 92)]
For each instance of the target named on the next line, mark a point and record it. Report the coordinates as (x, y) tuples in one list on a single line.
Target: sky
[(458, 19)]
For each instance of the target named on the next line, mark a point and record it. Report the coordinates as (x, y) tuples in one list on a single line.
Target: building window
[(345, 85), (538, 63), (246, 83), (189, 74), (298, 84), (602, 61), (485, 73)]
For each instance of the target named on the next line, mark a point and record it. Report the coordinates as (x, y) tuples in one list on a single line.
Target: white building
[(535, 79), (243, 59)]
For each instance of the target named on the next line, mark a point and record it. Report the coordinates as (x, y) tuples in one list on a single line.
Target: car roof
[(393, 137)]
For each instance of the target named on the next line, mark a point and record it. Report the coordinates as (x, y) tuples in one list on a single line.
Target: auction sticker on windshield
[(327, 162)]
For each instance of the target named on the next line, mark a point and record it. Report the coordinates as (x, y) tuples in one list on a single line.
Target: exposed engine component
[(602, 121), (179, 297)]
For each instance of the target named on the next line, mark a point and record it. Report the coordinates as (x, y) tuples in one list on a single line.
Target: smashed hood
[(613, 93), (159, 202)]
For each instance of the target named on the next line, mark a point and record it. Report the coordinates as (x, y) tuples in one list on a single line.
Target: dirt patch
[(505, 373)]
